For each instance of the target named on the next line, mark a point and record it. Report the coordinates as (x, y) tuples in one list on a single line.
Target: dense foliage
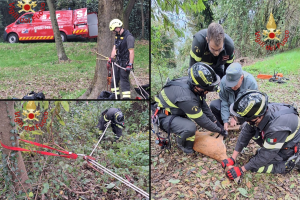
[(72, 126)]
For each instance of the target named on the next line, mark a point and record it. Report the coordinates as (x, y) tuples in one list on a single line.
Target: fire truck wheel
[(13, 38), (63, 36)]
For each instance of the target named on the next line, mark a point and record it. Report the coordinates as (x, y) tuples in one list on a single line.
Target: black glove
[(223, 132)]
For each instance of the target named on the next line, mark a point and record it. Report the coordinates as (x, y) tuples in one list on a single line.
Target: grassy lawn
[(34, 66), (201, 177)]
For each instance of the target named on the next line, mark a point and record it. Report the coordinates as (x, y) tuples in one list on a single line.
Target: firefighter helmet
[(119, 118), (114, 24), (203, 76), (250, 105)]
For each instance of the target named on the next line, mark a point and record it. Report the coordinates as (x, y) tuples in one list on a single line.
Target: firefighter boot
[(294, 160), (185, 146)]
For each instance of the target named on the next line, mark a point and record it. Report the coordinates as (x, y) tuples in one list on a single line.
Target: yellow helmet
[(114, 24)]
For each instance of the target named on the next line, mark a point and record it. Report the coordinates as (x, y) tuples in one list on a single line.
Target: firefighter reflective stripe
[(117, 90), (193, 77), (167, 100), (126, 94), (230, 61), (263, 98), (255, 138), (291, 136), (158, 101), (192, 138), (121, 127), (207, 63), (198, 59), (105, 118), (272, 146), (195, 116), (269, 170)]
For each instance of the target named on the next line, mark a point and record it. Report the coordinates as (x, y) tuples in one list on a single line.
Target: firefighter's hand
[(108, 64), (226, 126), (129, 67), (234, 172), (232, 121), (224, 133), (227, 162)]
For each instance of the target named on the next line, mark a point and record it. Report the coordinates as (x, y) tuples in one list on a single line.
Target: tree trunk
[(107, 10), (143, 20), (126, 13), (58, 41), (15, 165)]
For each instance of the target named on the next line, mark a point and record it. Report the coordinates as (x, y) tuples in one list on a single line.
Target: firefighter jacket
[(278, 130), (181, 101), (227, 95), (122, 47), (200, 51), (112, 114)]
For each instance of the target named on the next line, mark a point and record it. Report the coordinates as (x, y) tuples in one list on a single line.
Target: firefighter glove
[(234, 173), (223, 132), (129, 67), (227, 162)]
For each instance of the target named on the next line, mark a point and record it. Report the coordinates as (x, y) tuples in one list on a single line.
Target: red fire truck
[(33, 26)]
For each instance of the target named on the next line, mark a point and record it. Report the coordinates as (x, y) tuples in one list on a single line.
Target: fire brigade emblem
[(26, 6), (271, 33), (29, 112)]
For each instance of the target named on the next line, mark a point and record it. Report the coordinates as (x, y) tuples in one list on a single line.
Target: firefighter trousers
[(121, 76), (277, 164), (183, 127), (117, 131)]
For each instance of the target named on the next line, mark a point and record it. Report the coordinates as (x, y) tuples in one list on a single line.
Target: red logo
[(225, 58)]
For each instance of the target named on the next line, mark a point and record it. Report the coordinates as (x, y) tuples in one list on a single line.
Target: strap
[(68, 154)]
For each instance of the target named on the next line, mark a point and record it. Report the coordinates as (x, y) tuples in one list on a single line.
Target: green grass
[(34, 66), (287, 63)]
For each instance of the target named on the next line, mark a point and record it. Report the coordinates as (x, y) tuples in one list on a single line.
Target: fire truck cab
[(37, 26)]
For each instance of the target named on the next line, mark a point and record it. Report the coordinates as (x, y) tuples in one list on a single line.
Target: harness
[(121, 46)]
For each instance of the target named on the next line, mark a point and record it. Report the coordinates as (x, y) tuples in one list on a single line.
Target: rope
[(145, 194), (107, 124), (112, 64), (136, 81)]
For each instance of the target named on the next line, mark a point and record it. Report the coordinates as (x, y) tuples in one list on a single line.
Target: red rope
[(68, 154)]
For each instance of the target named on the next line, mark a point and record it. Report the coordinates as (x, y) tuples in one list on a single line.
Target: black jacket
[(200, 51), (183, 102), (273, 134)]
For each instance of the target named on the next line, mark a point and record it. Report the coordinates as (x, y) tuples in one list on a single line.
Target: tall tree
[(107, 10), (127, 12), (143, 23), (13, 161), (57, 35)]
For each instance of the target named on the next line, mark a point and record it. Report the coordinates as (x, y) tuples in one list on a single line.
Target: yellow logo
[(29, 112), (195, 108), (271, 33), (197, 49), (26, 6)]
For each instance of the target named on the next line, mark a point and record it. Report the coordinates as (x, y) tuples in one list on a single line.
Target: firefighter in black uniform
[(213, 47), (183, 99), (117, 121), (275, 127), (123, 54)]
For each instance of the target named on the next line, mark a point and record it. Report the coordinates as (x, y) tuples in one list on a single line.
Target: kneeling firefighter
[(183, 99), (275, 127), (117, 121)]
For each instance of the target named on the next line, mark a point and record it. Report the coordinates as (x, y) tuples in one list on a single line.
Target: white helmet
[(114, 24)]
